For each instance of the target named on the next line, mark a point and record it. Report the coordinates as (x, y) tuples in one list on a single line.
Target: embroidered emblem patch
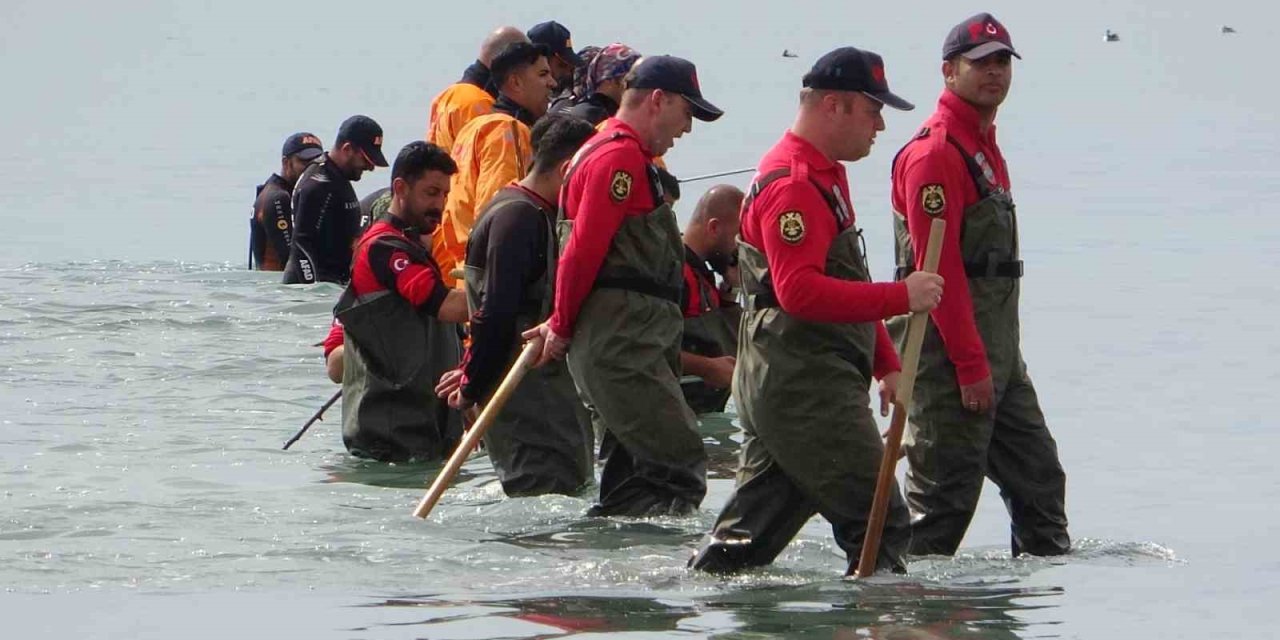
[(932, 199), (791, 226), (620, 188)]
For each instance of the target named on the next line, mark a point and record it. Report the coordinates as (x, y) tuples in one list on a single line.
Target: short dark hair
[(670, 184), (556, 137), (514, 58), (417, 158)]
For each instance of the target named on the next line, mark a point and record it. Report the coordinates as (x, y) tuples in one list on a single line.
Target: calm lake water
[(147, 381)]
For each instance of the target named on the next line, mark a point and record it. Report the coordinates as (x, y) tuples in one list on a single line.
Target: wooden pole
[(897, 424), (528, 356)]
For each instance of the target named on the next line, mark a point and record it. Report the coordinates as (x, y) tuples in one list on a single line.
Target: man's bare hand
[(977, 397), (924, 291), (888, 391), (554, 347)]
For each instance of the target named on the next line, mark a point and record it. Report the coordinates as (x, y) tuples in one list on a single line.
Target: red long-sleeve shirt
[(590, 200), (380, 266), (797, 255), (932, 161)]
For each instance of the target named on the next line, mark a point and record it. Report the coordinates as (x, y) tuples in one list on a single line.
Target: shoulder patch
[(791, 227), (933, 199), (620, 186)]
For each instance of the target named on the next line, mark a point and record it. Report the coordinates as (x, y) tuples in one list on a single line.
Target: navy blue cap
[(675, 75), (978, 37), (363, 132), (556, 38), (852, 69), (304, 145)]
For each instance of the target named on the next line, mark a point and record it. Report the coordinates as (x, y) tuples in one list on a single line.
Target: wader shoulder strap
[(984, 186), (768, 298), (651, 171)]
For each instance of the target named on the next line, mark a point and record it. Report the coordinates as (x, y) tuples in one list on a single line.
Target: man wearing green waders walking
[(812, 335), (617, 299), (975, 411)]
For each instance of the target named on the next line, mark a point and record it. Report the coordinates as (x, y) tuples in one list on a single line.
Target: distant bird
[(1226, 29), (786, 53), (1111, 37)]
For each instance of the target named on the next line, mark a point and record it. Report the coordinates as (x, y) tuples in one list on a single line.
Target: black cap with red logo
[(364, 133), (302, 144), (675, 75), (852, 69), (978, 37)]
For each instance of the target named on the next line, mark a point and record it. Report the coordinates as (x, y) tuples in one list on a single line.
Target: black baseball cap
[(304, 145), (555, 37), (852, 69), (676, 75), (363, 132), (978, 37)]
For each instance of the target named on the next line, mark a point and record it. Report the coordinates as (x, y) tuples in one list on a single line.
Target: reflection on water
[(838, 609)]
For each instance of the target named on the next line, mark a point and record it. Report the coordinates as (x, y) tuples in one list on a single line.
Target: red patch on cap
[(877, 72), (992, 29), (975, 31), (694, 75)]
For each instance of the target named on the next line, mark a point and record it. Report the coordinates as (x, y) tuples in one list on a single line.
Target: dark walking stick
[(317, 417)]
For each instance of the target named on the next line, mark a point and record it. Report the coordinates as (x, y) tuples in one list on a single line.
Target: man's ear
[(399, 188), (713, 226)]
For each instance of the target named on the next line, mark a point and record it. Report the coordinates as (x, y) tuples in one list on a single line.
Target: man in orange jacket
[(493, 150), (473, 95)]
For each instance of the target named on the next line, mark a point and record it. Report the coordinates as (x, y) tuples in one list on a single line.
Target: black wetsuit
[(271, 227), (595, 109), (326, 222), (512, 249)]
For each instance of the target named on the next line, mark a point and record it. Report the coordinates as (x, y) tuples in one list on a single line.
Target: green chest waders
[(810, 441), (393, 356), (542, 440), (712, 334), (951, 449), (625, 360)]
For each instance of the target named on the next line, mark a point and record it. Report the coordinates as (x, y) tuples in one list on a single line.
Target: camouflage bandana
[(588, 54), (612, 62)]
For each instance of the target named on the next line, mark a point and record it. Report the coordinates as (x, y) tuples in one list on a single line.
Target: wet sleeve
[(503, 157), (597, 217), (886, 357), (933, 170), (334, 339), (797, 229), (277, 219), (414, 281), (511, 258)]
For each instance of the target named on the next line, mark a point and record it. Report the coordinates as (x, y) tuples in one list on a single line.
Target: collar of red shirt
[(614, 123), (810, 154), (960, 115)]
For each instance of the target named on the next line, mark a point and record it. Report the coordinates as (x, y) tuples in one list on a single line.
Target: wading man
[(975, 413), (812, 334)]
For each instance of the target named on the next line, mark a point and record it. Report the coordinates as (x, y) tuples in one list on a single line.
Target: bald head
[(499, 40), (721, 202), (713, 227)]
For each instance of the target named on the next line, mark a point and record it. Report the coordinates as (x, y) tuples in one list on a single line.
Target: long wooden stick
[(487, 417), (317, 416), (897, 424)]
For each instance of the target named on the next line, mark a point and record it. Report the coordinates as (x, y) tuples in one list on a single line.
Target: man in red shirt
[(397, 318), (813, 335), (975, 412), (617, 298), (710, 341)]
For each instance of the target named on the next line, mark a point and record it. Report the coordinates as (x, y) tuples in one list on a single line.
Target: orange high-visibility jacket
[(451, 110), (492, 151)]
